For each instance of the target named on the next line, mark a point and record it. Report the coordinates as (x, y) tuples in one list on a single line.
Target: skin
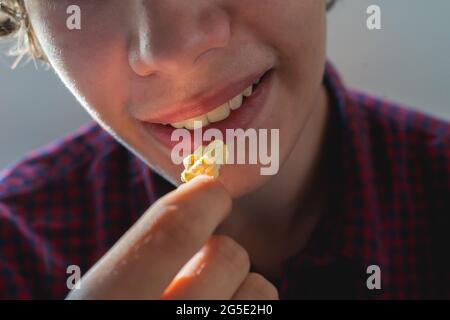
[(130, 61)]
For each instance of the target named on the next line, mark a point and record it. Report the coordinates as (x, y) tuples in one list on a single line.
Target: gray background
[(407, 61)]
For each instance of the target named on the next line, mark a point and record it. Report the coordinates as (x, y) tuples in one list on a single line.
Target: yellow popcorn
[(205, 161)]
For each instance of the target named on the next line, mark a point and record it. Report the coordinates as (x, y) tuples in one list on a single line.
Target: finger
[(256, 287), (214, 273), (145, 260)]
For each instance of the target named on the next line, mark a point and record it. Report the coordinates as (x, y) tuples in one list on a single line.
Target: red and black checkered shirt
[(68, 203)]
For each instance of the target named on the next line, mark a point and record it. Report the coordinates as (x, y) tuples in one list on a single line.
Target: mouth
[(240, 110), (221, 112)]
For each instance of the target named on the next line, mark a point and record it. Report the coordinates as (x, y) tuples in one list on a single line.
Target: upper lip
[(204, 102)]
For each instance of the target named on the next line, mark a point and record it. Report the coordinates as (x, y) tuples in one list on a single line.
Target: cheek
[(90, 61), (297, 32), (98, 79)]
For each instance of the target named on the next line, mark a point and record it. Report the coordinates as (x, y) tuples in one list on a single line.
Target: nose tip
[(177, 41)]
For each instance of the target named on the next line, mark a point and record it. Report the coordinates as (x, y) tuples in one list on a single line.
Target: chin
[(238, 180), (242, 180)]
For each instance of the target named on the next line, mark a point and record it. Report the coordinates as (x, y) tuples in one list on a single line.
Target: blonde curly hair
[(14, 22)]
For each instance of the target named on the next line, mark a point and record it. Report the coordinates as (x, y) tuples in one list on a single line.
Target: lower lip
[(241, 118)]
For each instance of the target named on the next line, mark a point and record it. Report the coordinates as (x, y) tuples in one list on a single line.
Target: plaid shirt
[(69, 202)]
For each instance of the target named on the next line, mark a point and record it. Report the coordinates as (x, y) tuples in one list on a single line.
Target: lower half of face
[(275, 47)]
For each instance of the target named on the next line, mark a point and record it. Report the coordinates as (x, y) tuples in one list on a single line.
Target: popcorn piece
[(205, 161)]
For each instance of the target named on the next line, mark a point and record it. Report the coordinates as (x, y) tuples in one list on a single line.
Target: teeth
[(248, 92), (189, 124), (218, 114), (178, 125), (236, 102)]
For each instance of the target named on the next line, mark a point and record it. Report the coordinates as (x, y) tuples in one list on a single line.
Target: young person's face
[(139, 61)]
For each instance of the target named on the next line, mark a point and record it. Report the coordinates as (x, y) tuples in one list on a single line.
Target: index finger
[(154, 249)]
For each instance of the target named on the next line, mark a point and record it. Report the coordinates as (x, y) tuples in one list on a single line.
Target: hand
[(170, 253)]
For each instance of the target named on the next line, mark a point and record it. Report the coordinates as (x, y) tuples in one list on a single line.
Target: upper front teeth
[(189, 124), (236, 102), (218, 114)]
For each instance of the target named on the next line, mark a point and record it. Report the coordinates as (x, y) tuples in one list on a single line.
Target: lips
[(220, 113), (246, 116), (203, 103)]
